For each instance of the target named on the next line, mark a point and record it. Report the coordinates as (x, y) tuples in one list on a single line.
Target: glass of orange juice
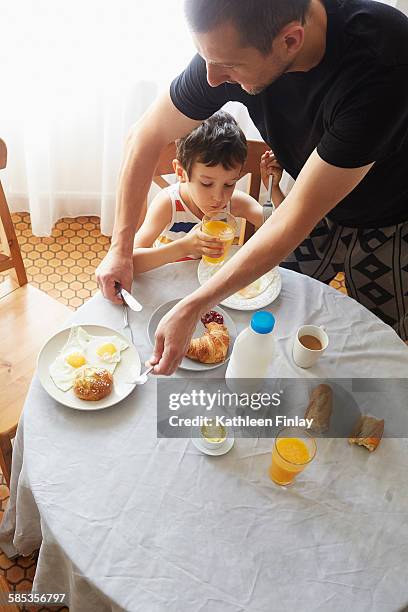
[(223, 226), (293, 450)]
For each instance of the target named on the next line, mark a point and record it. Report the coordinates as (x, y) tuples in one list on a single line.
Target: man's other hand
[(173, 337)]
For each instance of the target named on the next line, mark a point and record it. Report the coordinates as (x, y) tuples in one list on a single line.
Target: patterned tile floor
[(62, 265)]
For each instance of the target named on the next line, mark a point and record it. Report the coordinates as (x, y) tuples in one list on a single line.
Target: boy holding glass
[(208, 165)]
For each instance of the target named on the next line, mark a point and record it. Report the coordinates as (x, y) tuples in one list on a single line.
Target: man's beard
[(254, 91)]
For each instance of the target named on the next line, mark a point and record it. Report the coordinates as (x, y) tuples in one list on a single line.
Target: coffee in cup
[(310, 342)]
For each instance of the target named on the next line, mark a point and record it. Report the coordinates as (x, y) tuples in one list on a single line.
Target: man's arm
[(319, 187), (161, 124)]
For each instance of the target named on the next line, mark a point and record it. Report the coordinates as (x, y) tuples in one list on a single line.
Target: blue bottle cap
[(263, 322)]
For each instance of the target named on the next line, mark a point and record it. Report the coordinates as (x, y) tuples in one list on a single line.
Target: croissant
[(212, 347)]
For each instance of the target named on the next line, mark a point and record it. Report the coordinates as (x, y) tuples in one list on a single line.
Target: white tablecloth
[(126, 521)]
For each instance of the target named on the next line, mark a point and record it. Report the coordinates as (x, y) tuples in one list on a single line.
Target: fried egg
[(83, 350), (105, 351), (71, 359)]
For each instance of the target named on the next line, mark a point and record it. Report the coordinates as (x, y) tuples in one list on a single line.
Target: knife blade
[(128, 298), (131, 301)]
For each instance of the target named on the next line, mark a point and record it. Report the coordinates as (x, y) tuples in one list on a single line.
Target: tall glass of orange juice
[(223, 225), (293, 450)]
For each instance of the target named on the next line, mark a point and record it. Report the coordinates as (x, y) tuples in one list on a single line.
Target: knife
[(128, 298)]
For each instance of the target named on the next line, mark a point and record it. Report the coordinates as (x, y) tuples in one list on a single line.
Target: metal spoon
[(142, 379)]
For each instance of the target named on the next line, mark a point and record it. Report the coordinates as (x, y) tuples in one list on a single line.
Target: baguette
[(320, 408)]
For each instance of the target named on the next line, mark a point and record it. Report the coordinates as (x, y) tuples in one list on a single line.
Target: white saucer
[(221, 450)]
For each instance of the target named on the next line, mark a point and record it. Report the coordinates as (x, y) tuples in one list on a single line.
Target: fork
[(269, 207), (126, 325)]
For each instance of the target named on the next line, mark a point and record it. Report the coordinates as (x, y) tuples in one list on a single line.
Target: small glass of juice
[(223, 226), (212, 435), (293, 450)]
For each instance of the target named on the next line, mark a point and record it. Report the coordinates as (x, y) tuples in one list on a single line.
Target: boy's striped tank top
[(182, 219)]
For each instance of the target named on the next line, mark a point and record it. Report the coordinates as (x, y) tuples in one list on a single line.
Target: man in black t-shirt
[(326, 84)]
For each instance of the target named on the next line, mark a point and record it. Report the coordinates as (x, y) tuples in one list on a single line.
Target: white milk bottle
[(252, 354)]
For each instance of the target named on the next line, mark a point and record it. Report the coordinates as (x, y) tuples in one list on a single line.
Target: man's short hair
[(257, 21), (218, 140)]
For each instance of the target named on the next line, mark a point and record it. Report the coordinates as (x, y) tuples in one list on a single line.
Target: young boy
[(208, 165)]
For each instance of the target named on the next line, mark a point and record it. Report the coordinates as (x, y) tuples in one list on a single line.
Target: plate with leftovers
[(257, 295)]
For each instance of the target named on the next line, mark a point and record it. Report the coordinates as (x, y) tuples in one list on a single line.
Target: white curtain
[(76, 75)]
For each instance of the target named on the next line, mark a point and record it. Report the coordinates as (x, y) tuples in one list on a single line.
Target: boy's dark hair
[(218, 140), (257, 21)]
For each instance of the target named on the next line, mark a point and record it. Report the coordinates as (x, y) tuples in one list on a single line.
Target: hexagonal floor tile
[(63, 264)]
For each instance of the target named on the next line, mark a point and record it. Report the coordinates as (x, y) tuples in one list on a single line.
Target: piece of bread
[(320, 408), (252, 290), (212, 347), (367, 432), (93, 384)]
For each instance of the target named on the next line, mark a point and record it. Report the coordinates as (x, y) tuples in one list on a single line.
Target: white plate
[(216, 452), (272, 280), (128, 368), (189, 364)]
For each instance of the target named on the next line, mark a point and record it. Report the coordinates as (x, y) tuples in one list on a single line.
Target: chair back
[(10, 257)]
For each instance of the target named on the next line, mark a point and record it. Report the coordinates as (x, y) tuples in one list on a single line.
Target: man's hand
[(197, 243), (114, 268), (173, 337)]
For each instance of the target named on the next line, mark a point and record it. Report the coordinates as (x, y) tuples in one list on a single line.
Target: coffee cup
[(310, 342)]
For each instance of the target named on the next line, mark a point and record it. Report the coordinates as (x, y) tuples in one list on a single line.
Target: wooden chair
[(28, 317), (11, 258), (255, 149)]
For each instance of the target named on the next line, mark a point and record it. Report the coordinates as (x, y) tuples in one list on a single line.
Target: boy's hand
[(270, 165), (196, 243)]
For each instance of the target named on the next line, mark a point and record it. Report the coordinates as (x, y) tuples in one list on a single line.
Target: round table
[(129, 522)]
